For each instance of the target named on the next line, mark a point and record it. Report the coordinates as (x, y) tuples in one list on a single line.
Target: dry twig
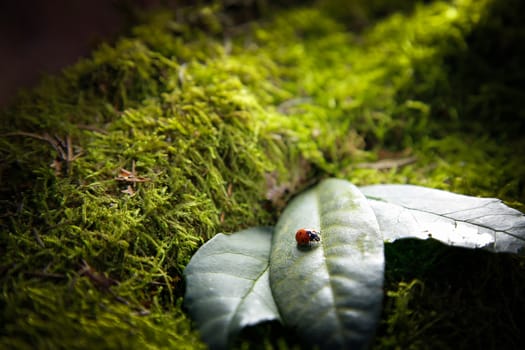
[(385, 164), (63, 147)]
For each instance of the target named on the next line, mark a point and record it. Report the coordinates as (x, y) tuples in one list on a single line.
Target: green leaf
[(330, 293), (227, 285), (406, 211)]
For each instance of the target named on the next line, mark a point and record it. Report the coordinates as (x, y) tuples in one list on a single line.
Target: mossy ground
[(225, 121)]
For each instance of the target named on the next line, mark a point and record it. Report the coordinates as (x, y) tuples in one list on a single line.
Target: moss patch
[(219, 124)]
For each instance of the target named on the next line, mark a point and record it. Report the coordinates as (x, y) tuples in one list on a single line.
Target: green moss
[(442, 296), (45, 315), (225, 125)]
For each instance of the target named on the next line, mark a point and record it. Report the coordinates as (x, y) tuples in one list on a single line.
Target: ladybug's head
[(314, 235)]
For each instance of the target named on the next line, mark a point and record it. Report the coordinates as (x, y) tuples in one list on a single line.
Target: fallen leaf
[(227, 285), (407, 211), (331, 293)]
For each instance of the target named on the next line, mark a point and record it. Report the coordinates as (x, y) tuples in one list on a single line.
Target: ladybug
[(305, 236)]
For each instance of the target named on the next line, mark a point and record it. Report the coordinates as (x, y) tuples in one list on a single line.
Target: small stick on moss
[(38, 239), (45, 137), (142, 312), (385, 164), (92, 128), (129, 190), (182, 74), (44, 274), (285, 106), (63, 148), (130, 176), (100, 280)]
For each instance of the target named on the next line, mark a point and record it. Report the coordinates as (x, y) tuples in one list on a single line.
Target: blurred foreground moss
[(218, 124)]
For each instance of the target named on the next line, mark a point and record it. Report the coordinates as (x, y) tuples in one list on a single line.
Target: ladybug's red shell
[(305, 236), (302, 237)]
